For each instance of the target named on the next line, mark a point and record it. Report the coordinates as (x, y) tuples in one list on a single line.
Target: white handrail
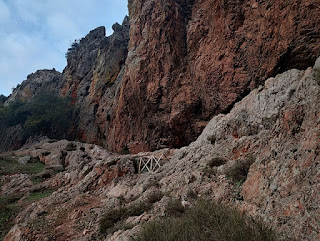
[(152, 163)]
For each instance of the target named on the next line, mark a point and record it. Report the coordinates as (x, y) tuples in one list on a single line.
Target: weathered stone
[(275, 127), (190, 60), (92, 78), (185, 62), (24, 160), (38, 82), (45, 174)]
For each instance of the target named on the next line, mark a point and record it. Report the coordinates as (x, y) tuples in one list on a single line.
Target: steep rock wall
[(190, 60), (185, 62), (92, 78)]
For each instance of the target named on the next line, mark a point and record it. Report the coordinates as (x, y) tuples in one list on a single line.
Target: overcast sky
[(35, 34)]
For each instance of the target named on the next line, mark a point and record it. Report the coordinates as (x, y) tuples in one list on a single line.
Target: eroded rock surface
[(38, 82), (191, 60), (93, 77), (182, 63), (276, 127)]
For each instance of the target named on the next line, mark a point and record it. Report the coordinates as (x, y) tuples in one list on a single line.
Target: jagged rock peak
[(117, 27), (44, 75), (40, 81), (96, 34), (121, 32)]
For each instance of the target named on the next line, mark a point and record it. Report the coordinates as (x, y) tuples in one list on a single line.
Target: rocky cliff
[(181, 63), (178, 73), (92, 78), (274, 131), (12, 137), (190, 60), (38, 82)]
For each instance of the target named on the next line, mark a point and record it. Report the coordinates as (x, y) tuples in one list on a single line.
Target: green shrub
[(39, 194), (11, 205), (71, 147), (216, 162), (174, 208), (45, 114), (154, 197), (212, 164), (11, 166), (36, 179), (192, 194), (110, 219), (3, 99), (138, 209), (75, 45), (207, 221), (239, 171), (51, 115), (16, 113), (114, 219), (8, 211)]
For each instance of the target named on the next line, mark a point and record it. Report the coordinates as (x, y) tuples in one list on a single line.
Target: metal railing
[(150, 163)]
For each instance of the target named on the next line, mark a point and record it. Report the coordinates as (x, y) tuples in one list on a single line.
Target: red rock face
[(92, 78), (190, 60), (186, 62)]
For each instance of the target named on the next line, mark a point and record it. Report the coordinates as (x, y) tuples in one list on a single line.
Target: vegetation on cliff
[(2, 100), (46, 114), (73, 47)]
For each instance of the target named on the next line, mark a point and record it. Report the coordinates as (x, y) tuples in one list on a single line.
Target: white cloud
[(22, 55), (62, 26), (35, 34)]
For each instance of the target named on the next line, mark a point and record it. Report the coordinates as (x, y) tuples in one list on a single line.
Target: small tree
[(74, 46), (45, 114), (3, 99), (50, 115)]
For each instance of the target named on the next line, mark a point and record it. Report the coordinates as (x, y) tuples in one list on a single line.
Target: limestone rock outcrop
[(157, 82), (93, 77), (276, 127), (38, 82)]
